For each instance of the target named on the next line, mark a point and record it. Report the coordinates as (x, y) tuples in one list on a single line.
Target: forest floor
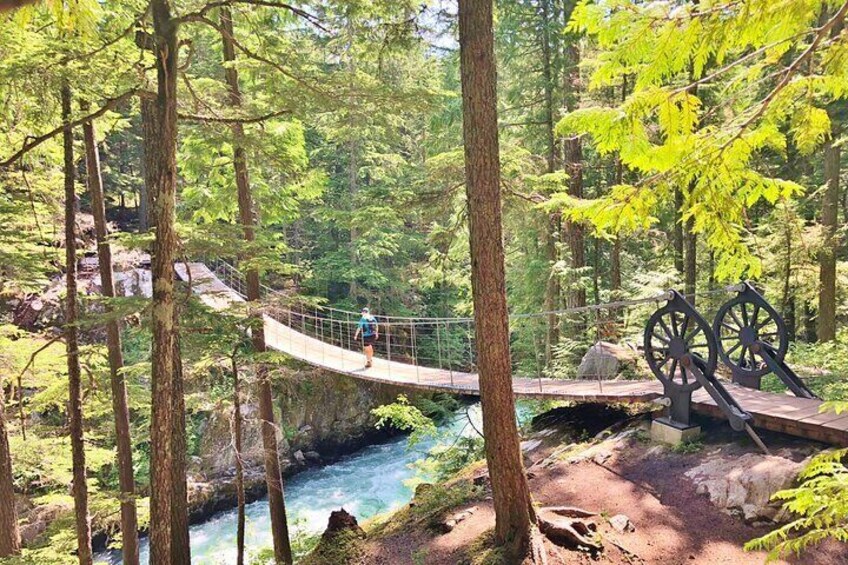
[(671, 522)]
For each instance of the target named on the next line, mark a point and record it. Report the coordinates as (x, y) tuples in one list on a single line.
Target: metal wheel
[(741, 322), (672, 332)]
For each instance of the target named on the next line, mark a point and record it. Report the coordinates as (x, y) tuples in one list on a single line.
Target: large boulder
[(743, 485), (606, 361)]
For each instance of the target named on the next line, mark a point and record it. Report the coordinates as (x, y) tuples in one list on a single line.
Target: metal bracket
[(798, 387)]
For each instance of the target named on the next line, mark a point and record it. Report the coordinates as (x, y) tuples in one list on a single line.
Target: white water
[(365, 483)]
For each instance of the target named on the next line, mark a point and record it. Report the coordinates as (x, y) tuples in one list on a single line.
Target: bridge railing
[(543, 345)]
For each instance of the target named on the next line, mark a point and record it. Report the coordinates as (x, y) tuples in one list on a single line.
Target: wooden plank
[(822, 418)]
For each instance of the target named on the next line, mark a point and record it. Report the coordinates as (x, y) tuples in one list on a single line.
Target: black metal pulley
[(752, 341), (679, 345), (682, 351)]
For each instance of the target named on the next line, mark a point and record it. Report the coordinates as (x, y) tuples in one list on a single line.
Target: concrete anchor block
[(662, 430)]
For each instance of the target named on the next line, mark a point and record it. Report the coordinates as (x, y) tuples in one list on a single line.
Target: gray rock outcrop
[(743, 485)]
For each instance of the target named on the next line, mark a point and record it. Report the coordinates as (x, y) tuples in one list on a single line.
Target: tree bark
[(10, 537), (247, 216), (809, 322), (547, 77), (169, 543), (514, 514), (677, 236), (237, 443), (79, 486), (691, 238), (120, 405), (826, 328), (596, 270), (353, 188), (552, 287), (787, 302), (353, 160), (615, 254), (150, 137), (615, 268), (575, 235)]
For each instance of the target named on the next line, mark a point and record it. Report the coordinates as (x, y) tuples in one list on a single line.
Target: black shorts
[(369, 339)]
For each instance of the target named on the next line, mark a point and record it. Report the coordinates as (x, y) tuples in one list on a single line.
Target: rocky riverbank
[(646, 503), (322, 417)]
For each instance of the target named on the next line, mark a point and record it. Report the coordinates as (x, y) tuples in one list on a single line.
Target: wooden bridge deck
[(776, 412)]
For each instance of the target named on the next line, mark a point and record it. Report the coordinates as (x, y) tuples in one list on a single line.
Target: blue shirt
[(367, 322)]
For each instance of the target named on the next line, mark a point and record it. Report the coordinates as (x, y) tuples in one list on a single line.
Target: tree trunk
[(826, 329), (129, 519), (615, 253), (596, 270), (787, 302), (237, 442), (575, 236), (150, 137), (353, 161), (691, 261), (809, 322), (79, 486), (247, 215), (690, 238), (353, 188), (514, 514), (615, 268), (678, 231), (552, 287), (573, 233), (168, 509), (547, 77), (10, 537)]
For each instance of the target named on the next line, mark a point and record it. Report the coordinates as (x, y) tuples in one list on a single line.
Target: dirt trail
[(674, 525)]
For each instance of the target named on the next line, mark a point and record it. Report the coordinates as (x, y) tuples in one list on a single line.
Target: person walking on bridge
[(370, 331)]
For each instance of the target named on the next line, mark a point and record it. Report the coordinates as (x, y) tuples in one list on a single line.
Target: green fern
[(820, 504)]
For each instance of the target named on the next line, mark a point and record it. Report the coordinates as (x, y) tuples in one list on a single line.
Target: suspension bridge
[(438, 355)]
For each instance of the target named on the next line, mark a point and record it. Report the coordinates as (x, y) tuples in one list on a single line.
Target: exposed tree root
[(538, 551), (569, 511), (565, 525)]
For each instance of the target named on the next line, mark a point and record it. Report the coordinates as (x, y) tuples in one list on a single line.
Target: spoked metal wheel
[(743, 321), (673, 332)]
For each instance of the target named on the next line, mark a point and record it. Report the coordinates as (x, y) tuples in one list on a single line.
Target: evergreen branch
[(106, 44), (256, 56), (224, 120), (200, 15), (522, 124), (790, 71), (215, 117), (534, 198), (33, 142), (195, 96), (730, 66), (35, 353)]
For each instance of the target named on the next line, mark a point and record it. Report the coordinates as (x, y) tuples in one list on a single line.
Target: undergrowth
[(483, 551), (429, 506), (342, 547)]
